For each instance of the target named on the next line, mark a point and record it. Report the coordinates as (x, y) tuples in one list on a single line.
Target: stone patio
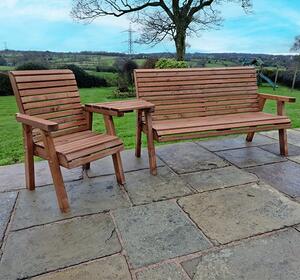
[(221, 209)]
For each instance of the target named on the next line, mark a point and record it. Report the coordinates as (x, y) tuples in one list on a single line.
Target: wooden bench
[(202, 102), (58, 128)]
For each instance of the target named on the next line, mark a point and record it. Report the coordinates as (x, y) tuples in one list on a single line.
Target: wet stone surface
[(218, 178), (293, 136), (129, 160), (231, 214), (12, 177), (86, 196), (275, 257), (151, 233), (284, 176), (57, 246), (189, 157), (248, 157), (169, 271), (144, 188), (238, 142), (109, 268), (7, 201), (274, 148)]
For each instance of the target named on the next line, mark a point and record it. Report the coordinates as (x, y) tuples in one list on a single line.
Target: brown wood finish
[(57, 127), (203, 102)]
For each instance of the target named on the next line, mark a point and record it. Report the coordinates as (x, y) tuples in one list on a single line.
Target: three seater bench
[(202, 102)]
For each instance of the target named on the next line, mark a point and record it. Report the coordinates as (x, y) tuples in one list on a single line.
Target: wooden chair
[(202, 102), (57, 127)]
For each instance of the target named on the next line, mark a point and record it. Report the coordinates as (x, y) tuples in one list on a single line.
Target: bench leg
[(150, 144), (118, 168), (138, 144), (283, 144), (29, 159), (250, 136)]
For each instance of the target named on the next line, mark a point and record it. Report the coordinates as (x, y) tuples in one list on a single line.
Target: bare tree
[(296, 45), (160, 19)]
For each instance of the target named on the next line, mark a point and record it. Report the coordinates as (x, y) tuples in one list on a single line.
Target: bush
[(3, 61), (84, 79), (5, 86), (150, 63), (32, 66), (110, 69), (165, 63)]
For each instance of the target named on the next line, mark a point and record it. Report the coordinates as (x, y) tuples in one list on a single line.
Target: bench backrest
[(195, 92), (51, 95)]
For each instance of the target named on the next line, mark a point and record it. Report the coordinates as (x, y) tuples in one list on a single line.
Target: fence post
[(294, 78)]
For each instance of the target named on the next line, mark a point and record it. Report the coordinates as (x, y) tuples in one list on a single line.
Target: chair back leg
[(250, 136), (138, 144), (283, 144)]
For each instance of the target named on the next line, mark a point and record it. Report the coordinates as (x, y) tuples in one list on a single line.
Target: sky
[(47, 25)]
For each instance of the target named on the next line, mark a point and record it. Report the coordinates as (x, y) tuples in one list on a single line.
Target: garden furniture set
[(171, 105)]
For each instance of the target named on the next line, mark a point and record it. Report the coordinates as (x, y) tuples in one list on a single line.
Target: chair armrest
[(36, 122), (277, 97)]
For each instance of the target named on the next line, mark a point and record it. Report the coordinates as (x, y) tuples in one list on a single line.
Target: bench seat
[(166, 130)]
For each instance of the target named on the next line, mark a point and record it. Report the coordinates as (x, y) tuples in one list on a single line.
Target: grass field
[(11, 148)]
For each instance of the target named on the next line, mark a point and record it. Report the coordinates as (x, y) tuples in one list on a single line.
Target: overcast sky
[(47, 25)]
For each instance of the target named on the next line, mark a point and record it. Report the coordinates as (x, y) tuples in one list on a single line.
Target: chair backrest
[(51, 95), (196, 92)]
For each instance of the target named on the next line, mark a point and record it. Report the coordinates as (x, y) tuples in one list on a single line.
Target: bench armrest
[(277, 97), (35, 122)]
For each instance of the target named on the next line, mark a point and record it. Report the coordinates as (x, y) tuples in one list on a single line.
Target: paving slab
[(219, 178), (109, 268), (130, 162), (229, 143), (248, 157), (189, 157), (157, 231), (170, 271), (293, 136), (273, 257), (231, 214), (295, 158), (274, 148), (284, 176), (143, 187), (7, 201), (88, 196), (42, 175), (37, 250)]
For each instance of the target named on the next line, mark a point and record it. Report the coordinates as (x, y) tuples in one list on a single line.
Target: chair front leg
[(110, 129), (250, 136), (138, 144), (283, 144), (59, 185), (29, 159), (150, 143)]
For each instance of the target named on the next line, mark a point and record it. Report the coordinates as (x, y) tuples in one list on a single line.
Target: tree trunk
[(180, 44)]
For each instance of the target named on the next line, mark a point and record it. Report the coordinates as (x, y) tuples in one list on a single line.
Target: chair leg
[(250, 136), (61, 194), (29, 159), (86, 166), (283, 144), (118, 168), (150, 144), (53, 162), (138, 144)]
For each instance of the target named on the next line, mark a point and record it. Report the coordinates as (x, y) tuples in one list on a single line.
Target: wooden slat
[(40, 72), (45, 104), (50, 84), (42, 91), (57, 114), (38, 111), (41, 78), (44, 97)]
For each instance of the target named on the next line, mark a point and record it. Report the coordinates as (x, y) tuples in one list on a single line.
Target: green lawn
[(11, 149)]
